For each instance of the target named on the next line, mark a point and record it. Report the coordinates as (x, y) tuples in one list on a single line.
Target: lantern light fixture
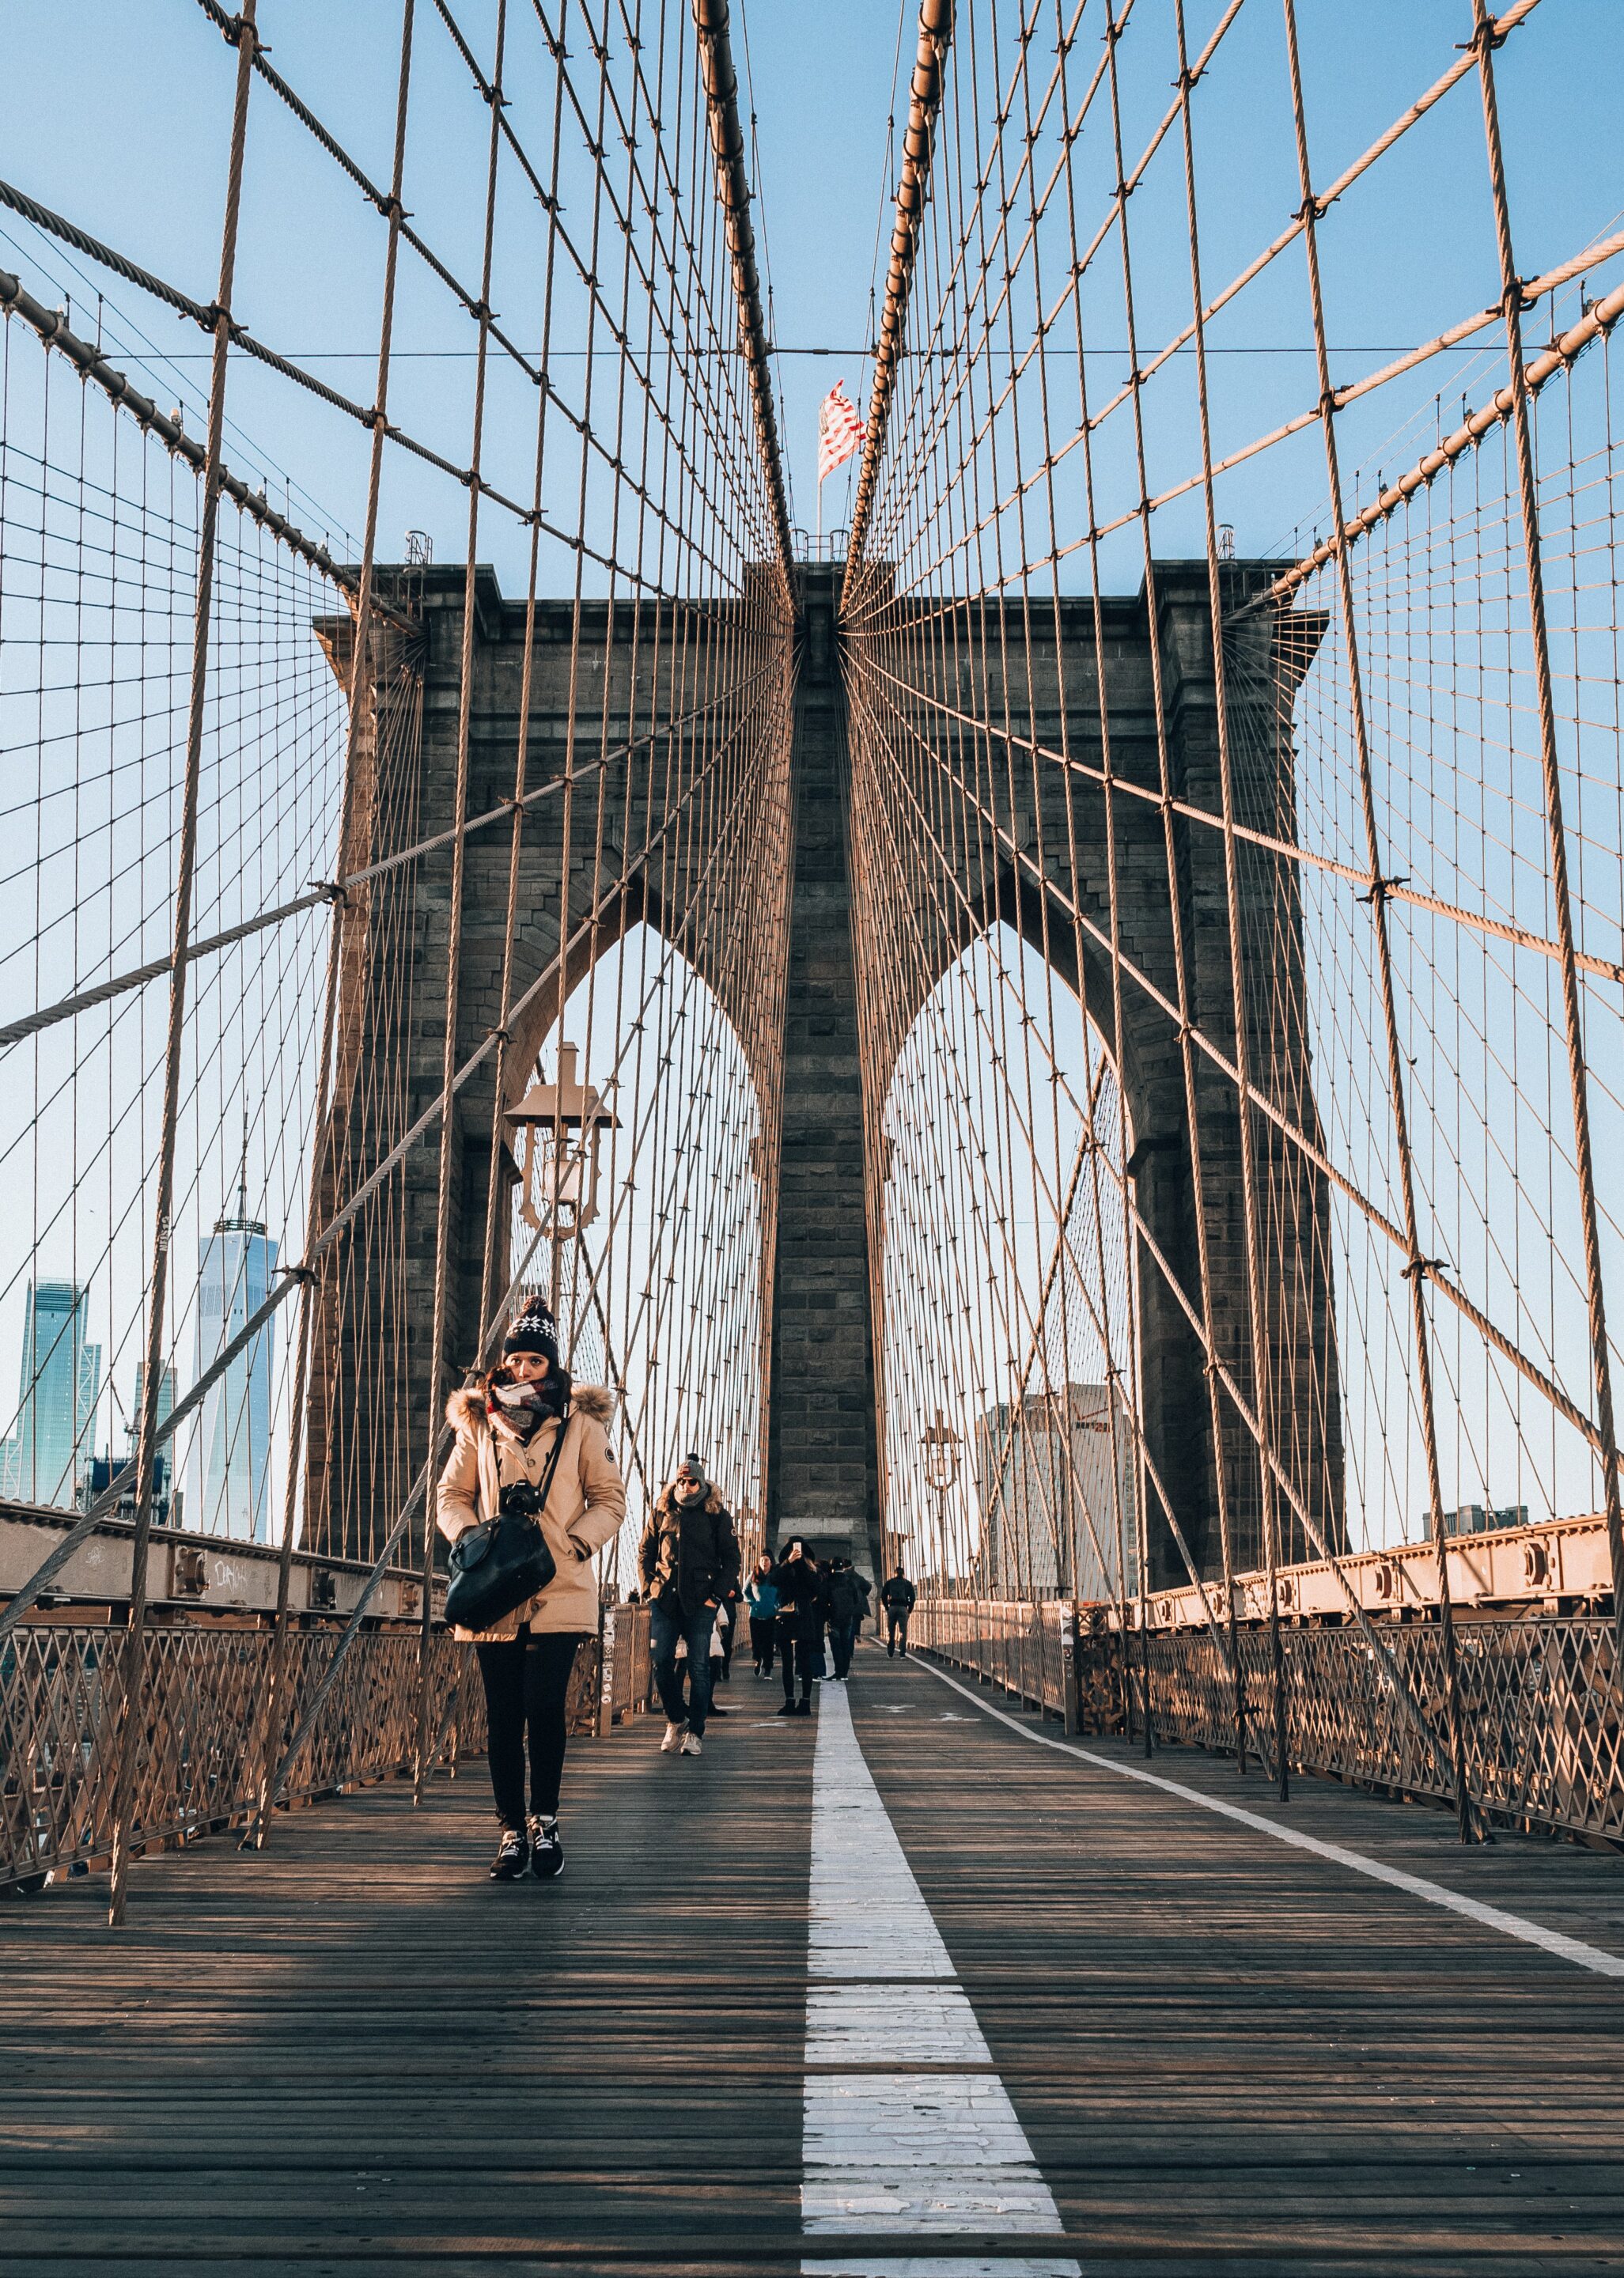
[(563, 1125), (939, 1445)]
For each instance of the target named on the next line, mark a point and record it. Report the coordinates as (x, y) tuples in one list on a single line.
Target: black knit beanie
[(535, 1330)]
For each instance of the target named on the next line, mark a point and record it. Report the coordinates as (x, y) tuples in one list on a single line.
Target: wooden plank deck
[(353, 2055)]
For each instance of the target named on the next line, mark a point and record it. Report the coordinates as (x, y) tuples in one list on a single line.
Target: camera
[(520, 1500)]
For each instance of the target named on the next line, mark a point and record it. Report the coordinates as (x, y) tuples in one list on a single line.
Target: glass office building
[(228, 1488), (58, 1388)]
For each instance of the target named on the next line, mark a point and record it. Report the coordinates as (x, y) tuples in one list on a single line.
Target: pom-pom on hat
[(535, 1330), (692, 1468)]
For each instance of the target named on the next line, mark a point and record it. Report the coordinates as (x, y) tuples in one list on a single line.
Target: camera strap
[(545, 1488)]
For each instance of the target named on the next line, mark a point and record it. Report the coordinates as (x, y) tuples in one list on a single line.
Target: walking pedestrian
[(848, 1601), (802, 1603), (763, 1599), (897, 1596), (727, 1632), (524, 1422), (722, 1629), (686, 1561), (714, 1657)]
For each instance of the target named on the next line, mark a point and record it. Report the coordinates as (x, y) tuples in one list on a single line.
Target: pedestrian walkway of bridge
[(896, 1992), (1062, 1039)]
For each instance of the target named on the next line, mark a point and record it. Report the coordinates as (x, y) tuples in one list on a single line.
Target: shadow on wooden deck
[(352, 2053)]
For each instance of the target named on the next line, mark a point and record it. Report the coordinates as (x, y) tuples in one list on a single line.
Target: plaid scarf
[(525, 1408)]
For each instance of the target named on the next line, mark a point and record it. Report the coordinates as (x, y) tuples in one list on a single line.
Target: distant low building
[(1055, 1478), (102, 1471), (1483, 1518)]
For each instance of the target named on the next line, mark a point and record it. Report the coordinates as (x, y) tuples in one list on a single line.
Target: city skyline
[(59, 1450)]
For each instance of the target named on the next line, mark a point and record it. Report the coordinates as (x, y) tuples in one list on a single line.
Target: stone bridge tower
[(368, 1429)]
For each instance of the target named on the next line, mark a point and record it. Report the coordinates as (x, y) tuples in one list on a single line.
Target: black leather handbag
[(496, 1567)]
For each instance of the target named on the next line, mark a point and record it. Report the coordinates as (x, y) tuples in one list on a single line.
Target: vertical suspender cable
[(133, 1726), (918, 144), (454, 940), (710, 22), (1415, 1270), (1180, 951), (1486, 37), (363, 691)]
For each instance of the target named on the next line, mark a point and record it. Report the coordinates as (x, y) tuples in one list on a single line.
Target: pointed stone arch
[(1013, 861)]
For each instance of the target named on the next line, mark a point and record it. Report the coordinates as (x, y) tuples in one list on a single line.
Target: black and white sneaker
[(546, 1850), (512, 1858)]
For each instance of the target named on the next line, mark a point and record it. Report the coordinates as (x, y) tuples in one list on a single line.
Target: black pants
[(762, 1637), (842, 1644), (797, 1653), (526, 1683), (896, 1631)]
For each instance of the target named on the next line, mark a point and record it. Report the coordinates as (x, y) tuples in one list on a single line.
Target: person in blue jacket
[(761, 1597)]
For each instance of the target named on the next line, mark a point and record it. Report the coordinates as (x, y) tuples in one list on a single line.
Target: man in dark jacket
[(897, 1596), (848, 1602), (688, 1563)]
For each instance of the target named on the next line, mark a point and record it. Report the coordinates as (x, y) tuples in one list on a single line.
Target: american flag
[(839, 430)]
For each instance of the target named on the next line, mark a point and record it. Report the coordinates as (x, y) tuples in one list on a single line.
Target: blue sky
[(128, 107), (121, 123)]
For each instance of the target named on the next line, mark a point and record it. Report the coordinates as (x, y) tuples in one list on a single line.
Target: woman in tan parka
[(507, 1425)]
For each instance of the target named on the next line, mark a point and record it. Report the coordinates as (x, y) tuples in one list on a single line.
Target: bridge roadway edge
[(1225, 2054)]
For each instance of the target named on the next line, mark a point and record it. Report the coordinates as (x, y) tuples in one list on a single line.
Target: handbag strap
[(552, 1461)]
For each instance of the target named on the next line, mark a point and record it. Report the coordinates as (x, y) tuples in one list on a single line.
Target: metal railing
[(200, 1757), (200, 1754), (1019, 1646), (1543, 1728)]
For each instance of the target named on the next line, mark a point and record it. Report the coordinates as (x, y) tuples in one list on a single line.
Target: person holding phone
[(802, 1606), (763, 1599)]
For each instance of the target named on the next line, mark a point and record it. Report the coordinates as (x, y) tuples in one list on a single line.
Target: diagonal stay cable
[(52, 327), (14, 1031), (55, 225), (1311, 1152), (294, 1276), (498, 1314)]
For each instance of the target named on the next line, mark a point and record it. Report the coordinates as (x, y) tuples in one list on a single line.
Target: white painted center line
[(920, 2152)]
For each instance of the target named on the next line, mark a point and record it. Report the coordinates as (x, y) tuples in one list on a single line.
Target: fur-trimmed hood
[(666, 1506), (585, 1499), (595, 1401)]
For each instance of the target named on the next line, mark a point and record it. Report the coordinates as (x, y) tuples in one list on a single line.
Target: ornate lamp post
[(563, 1125), (939, 1457)]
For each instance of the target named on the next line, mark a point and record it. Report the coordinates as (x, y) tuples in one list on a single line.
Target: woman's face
[(527, 1368)]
